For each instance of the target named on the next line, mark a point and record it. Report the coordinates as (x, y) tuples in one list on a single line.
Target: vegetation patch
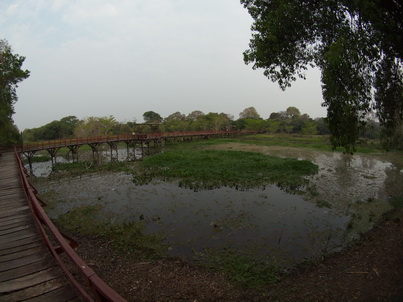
[(38, 159), (209, 169), (241, 269), (127, 238), (315, 142), (364, 215), (79, 168), (397, 202)]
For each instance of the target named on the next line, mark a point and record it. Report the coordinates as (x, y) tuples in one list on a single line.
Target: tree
[(292, 112), (96, 126), (152, 117), (195, 115), (249, 112), (357, 45), (176, 122), (10, 75)]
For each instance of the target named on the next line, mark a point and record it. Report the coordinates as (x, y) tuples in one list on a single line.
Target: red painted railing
[(100, 290)]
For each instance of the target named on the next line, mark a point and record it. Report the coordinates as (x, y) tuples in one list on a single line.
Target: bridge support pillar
[(95, 153), (52, 152), (131, 150), (114, 147), (29, 155), (74, 152), (145, 147)]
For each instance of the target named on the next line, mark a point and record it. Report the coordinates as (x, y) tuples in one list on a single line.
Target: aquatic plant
[(209, 169)]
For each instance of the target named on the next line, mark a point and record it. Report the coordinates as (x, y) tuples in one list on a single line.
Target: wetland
[(172, 205)]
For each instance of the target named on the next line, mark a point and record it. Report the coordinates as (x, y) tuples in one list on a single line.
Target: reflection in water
[(268, 223), (263, 222), (44, 169)]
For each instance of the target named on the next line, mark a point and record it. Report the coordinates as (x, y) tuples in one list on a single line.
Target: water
[(268, 223), (44, 169)]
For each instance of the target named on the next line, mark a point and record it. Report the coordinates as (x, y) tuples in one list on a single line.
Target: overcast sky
[(126, 57)]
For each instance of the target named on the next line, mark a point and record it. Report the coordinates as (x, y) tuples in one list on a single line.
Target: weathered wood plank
[(14, 211), (13, 244), (18, 235), (22, 253), (15, 229), (21, 247), (33, 291), (26, 270), (14, 263), (29, 280), (15, 223), (58, 295)]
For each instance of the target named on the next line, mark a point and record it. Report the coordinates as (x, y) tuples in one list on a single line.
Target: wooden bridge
[(132, 141), (37, 263)]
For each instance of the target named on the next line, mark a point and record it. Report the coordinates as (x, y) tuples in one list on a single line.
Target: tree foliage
[(10, 75), (64, 128), (249, 112), (152, 117), (358, 46), (96, 126)]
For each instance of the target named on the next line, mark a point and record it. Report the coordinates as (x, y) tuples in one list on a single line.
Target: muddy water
[(44, 169), (344, 199)]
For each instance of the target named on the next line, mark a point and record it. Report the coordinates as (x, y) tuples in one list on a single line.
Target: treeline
[(10, 75), (288, 121)]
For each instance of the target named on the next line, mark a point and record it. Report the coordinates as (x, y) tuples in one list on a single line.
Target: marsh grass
[(38, 159), (397, 202), (78, 168), (315, 142), (127, 238), (241, 269), (208, 169)]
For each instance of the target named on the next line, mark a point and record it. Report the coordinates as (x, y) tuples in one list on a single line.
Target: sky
[(126, 57)]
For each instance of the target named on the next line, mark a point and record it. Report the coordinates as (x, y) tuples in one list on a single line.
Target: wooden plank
[(16, 216), (11, 194), (14, 211), (61, 294), (29, 280), (13, 199), (10, 205), (23, 253), (15, 223), (33, 291), (26, 270), (18, 235), (22, 247), (14, 263), (15, 229), (13, 244)]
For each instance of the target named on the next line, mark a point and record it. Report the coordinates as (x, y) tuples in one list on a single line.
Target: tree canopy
[(10, 75), (152, 117), (357, 45), (249, 112)]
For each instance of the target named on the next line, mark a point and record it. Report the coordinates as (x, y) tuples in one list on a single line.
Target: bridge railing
[(100, 290), (115, 138)]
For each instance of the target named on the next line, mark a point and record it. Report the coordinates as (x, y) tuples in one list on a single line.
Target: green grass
[(38, 159), (315, 142), (208, 169), (397, 202), (241, 269)]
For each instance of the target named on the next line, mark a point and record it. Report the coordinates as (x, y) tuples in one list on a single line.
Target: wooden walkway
[(27, 269)]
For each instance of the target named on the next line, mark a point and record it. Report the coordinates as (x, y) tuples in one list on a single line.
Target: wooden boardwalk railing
[(30, 266)]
